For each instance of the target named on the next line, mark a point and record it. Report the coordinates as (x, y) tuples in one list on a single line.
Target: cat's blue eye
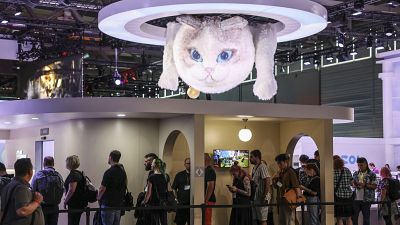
[(224, 56), (195, 55)]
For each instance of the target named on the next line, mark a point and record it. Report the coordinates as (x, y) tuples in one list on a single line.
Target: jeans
[(110, 217), (365, 209), (313, 210), (50, 218)]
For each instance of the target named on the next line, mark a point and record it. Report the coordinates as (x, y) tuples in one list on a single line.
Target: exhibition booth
[(175, 129)]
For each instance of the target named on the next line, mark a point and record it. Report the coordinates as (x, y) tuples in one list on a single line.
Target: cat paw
[(265, 90), (170, 83)]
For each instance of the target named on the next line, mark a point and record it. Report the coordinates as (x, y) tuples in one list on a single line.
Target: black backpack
[(89, 190), (3, 182), (394, 189), (51, 186)]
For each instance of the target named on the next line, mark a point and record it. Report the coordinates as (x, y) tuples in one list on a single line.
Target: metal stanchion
[(302, 214), (203, 214), (87, 212)]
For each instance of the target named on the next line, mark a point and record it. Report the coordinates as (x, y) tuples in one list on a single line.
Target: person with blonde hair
[(157, 188), (74, 187)]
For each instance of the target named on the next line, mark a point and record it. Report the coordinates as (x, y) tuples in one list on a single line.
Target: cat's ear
[(169, 76), (235, 22), (265, 42), (189, 21)]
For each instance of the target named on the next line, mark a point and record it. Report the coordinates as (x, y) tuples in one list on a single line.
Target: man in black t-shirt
[(182, 186), (112, 190), (210, 178)]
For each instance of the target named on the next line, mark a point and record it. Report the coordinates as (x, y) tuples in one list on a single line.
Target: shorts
[(342, 210), (260, 213)]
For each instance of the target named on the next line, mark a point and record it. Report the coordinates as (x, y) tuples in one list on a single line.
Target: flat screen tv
[(225, 158)]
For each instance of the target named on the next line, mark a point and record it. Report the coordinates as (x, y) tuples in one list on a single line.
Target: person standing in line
[(112, 189), (365, 183), (262, 179), (148, 160), (373, 168), (241, 191), (74, 187), (317, 159), (342, 180), (387, 166), (21, 206), (181, 185), (312, 191), (210, 178), (4, 177), (383, 189), (157, 193), (50, 184), (300, 172), (284, 180)]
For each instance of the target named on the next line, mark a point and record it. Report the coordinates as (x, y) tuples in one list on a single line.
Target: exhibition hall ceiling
[(61, 28)]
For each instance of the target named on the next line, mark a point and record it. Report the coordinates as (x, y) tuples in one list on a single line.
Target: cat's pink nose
[(209, 70)]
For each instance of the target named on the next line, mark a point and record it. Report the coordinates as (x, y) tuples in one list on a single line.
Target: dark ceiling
[(67, 27)]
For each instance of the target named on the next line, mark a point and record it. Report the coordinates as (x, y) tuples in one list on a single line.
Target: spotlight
[(18, 11), (356, 12), (341, 40), (245, 134), (353, 52), (307, 62), (329, 57), (4, 21), (389, 31), (117, 78)]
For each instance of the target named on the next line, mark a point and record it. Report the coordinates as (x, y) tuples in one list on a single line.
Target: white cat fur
[(209, 37)]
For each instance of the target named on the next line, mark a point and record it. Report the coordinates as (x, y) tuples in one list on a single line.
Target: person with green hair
[(157, 188)]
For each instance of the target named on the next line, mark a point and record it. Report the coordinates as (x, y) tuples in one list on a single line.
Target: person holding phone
[(241, 192)]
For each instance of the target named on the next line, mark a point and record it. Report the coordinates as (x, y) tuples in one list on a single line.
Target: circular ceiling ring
[(127, 19)]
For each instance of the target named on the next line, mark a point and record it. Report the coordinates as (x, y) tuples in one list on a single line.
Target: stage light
[(389, 31), (4, 21), (117, 77), (329, 57), (307, 62), (353, 52), (245, 134), (18, 11), (379, 45)]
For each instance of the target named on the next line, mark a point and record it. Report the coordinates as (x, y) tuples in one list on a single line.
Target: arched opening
[(298, 145), (176, 150)]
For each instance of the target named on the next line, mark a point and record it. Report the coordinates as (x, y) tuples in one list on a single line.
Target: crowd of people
[(37, 203)]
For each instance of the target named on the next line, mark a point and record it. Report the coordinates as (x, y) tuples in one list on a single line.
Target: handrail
[(88, 210)]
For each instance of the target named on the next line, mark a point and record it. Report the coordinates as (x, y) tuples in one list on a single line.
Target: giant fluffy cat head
[(213, 55)]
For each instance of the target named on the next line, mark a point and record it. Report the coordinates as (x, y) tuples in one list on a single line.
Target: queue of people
[(38, 204)]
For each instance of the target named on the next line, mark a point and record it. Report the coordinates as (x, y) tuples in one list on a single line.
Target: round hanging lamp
[(127, 19), (245, 134)]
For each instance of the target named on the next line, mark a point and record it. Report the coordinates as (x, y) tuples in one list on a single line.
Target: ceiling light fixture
[(35, 118), (4, 21), (353, 51), (18, 11), (307, 62), (329, 57), (245, 134), (121, 115), (116, 76)]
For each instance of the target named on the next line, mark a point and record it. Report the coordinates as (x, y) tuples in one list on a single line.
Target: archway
[(176, 150), (298, 145)]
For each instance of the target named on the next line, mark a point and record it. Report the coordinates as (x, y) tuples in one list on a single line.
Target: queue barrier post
[(203, 214), (302, 213), (87, 212)]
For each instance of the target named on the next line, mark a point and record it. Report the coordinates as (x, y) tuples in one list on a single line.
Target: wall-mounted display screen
[(225, 158)]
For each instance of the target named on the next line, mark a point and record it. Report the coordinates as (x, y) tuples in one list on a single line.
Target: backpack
[(3, 182), (51, 186), (394, 189), (89, 190)]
